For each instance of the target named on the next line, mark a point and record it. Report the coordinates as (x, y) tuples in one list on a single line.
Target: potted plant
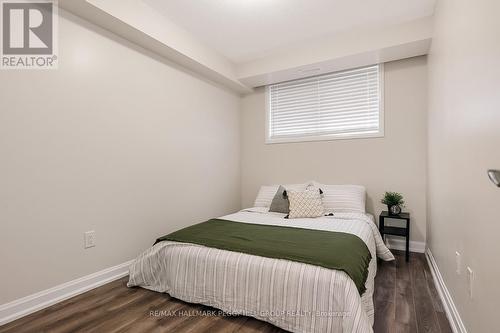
[(394, 202)]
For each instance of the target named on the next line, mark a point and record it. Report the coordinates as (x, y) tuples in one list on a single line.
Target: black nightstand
[(396, 231)]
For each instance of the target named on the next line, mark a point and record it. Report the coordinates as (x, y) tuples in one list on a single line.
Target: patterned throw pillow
[(307, 203)]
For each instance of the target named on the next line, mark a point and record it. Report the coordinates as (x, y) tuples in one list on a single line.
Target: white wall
[(396, 162), (464, 141), (115, 141)]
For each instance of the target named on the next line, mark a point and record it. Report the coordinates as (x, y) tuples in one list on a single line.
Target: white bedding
[(294, 296)]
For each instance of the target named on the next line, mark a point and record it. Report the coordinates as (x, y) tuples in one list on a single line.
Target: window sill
[(323, 138)]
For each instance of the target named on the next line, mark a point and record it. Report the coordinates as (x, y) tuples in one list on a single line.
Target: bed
[(293, 295)]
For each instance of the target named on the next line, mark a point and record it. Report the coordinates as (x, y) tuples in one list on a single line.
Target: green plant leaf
[(392, 199)]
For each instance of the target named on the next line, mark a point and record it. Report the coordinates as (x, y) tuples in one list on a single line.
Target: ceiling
[(245, 30)]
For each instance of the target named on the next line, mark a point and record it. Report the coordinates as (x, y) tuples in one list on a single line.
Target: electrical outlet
[(458, 262), (470, 280), (89, 239)]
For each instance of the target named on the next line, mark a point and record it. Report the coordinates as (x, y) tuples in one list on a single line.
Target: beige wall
[(464, 141), (113, 141), (396, 162)]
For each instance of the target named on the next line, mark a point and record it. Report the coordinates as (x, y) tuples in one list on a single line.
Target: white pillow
[(265, 195), (267, 192), (343, 198)]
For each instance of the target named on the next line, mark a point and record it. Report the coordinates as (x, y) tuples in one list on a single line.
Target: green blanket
[(333, 250)]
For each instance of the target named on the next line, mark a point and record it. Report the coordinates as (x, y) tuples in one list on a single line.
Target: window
[(347, 104)]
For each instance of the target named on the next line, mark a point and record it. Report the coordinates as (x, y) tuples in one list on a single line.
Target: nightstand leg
[(407, 240), (407, 249)]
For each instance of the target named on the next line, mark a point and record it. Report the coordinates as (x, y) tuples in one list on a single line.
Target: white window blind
[(337, 105)]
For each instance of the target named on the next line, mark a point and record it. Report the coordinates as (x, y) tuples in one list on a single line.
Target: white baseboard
[(456, 322), (32, 303), (400, 244)]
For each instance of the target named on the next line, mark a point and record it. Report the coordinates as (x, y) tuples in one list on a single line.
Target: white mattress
[(294, 296)]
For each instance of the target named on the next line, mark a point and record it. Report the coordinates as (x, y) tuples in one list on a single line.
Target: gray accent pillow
[(280, 203)]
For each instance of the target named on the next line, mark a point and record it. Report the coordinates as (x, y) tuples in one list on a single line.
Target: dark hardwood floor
[(405, 301)]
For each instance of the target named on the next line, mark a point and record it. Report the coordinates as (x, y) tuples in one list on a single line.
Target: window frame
[(330, 137)]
